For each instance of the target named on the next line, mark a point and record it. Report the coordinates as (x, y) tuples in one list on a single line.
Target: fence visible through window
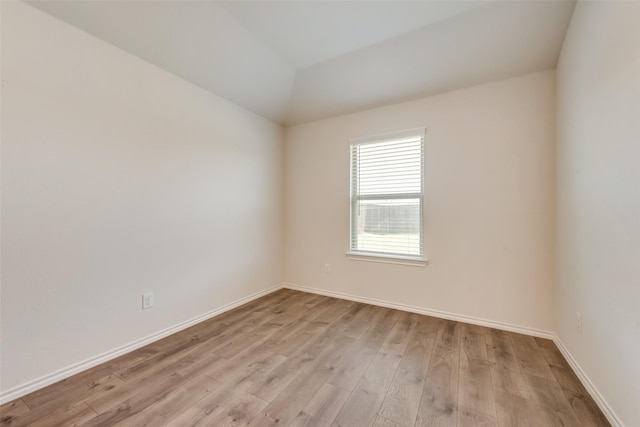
[(387, 195)]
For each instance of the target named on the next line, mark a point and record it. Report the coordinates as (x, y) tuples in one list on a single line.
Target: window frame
[(385, 257)]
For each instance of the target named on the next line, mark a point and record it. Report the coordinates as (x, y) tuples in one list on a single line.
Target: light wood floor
[(298, 359)]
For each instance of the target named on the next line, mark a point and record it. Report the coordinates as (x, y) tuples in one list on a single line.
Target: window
[(387, 181)]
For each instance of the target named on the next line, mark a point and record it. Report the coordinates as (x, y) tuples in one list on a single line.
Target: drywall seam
[(38, 383), (428, 312), (591, 388)]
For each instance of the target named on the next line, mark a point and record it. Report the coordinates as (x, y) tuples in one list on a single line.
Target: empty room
[(320, 213)]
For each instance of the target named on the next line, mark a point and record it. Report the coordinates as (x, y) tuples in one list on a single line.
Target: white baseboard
[(428, 312), (23, 389), (591, 388), (38, 383)]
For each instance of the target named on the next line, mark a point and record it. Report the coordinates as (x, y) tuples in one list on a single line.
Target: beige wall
[(489, 203), (118, 177), (598, 197)]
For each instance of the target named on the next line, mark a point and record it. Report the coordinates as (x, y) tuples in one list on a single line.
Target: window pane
[(388, 226), (386, 194)]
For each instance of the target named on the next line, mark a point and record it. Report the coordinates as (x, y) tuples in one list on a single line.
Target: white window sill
[(387, 259)]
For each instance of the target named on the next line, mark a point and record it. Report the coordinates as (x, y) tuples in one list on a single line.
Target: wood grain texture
[(322, 408), (385, 422), (500, 350), (241, 410), (515, 410), (298, 359), (476, 399), (530, 357), (9, 411), (508, 380), (172, 404), (367, 397), (439, 404), (204, 410), (549, 395), (405, 392)]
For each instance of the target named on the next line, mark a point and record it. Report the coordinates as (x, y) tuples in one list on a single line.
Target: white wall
[(489, 203), (118, 177), (598, 197)]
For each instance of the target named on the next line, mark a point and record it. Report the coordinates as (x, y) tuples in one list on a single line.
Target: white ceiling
[(306, 33), (296, 61)]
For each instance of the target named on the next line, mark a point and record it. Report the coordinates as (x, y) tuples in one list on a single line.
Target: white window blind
[(387, 194)]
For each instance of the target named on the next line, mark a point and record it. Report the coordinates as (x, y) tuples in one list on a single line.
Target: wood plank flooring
[(298, 359)]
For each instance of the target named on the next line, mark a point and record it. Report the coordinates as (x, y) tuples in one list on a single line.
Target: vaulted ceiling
[(296, 61)]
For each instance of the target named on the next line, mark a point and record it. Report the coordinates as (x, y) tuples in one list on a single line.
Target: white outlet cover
[(579, 322), (147, 300)]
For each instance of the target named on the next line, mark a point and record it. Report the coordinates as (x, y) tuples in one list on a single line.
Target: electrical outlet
[(579, 322), (147, 300), (327, 268)]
